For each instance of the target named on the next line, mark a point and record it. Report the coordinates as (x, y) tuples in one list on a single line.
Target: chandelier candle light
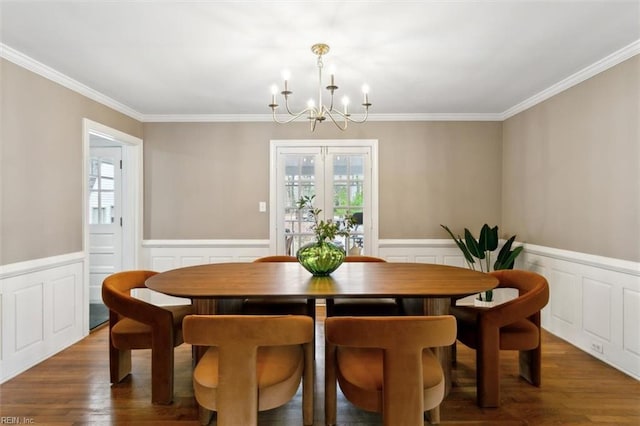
[(317, 114)]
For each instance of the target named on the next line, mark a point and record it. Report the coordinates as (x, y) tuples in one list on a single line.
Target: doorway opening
[(112, 188)]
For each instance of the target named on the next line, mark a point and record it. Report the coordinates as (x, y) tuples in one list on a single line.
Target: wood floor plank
[(72, 388)]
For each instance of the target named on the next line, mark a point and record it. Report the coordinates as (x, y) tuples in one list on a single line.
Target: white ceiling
[(190, 58)]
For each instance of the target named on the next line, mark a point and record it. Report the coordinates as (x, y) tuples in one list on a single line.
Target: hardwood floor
[(72, 388)]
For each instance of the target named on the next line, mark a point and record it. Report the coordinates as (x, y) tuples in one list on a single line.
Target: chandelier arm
[(366, 114), (286, 105), (346, 121), (348, 117), (293, 116)]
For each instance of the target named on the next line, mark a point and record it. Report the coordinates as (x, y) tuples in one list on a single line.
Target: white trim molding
[(162, 255), (19, 58), (42, 310), (36, 265), (439, 251), (584, 74), (268, 118), (600, 262)]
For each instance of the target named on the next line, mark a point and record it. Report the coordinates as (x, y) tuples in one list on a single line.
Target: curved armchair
[(385, 365), (514, 325), (253, 363), (279, 305), (136, 324), (363, 306)]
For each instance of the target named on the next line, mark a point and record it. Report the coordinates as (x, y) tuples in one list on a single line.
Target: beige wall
[(571, 167), (564, 174), (41, 163), (204, 180)]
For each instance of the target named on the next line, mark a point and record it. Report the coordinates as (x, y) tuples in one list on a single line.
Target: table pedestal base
[(440, 306)]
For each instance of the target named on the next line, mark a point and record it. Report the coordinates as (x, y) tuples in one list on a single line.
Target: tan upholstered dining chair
[(513, 325), (136, 324), (253, 363), (386, 365), (383, 306)]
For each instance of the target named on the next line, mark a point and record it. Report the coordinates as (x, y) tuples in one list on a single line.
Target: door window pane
[(101, 191), (299, 180), (348, 191)]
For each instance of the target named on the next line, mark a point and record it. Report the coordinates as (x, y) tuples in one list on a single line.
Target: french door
[(341, 177)]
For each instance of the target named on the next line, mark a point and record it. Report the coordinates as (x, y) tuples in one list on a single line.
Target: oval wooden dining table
[(436, 284), (290, 279)]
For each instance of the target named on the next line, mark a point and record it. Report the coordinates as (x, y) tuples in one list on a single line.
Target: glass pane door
[(299, 181), (348, 187), (340, 179)]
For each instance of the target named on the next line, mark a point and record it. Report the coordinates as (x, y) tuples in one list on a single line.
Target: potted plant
[(321, 257), (482, 248)]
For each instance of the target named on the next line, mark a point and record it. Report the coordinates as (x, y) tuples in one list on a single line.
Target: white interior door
[(342, 178), (105, 217)]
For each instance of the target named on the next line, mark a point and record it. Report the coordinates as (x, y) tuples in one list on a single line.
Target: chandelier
[(320, 112)]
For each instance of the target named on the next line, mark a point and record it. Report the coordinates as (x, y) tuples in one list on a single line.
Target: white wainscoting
[(162, 255), (594, 303), (442, 252), (42, 310)]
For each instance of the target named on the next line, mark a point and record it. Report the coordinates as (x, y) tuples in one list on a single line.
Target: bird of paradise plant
[(482, 248)]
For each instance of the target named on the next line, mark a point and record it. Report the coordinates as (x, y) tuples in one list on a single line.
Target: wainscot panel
[(594, 303), (163, 255), (43, 310)]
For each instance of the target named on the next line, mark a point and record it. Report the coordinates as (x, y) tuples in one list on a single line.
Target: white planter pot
[(483, 303)]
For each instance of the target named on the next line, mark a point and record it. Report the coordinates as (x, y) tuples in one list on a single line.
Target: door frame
[(275, 144), (132, 199)]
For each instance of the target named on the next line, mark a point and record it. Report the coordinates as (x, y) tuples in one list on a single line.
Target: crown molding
[(229, 118), (436, 117), (31, 64), (18, 58), (596, 68), (206, 118)]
